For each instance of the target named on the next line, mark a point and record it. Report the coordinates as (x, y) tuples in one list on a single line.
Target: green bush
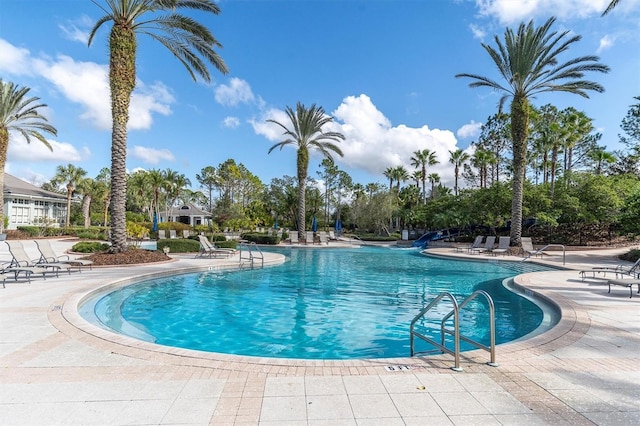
[(631, 256), (218, 237), (261, 238), (89, 247), (232, 244), (179, 245), (31, 231)]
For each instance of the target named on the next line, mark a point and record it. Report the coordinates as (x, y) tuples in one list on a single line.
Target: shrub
[(31, 231), (631, 256), (179, 245), (261, 238), (89, 247)]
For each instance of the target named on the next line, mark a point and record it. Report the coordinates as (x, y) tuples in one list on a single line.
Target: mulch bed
[(129, 257)]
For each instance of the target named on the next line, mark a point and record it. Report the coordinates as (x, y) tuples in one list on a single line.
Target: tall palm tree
[(19, 114), (104, 177), (306, 134), (400, 174), (70, 176), (458, 159), (601, 157), (528, 60), (388, 173), (433, 179), (423, 159), (611, 6), (184, 37)]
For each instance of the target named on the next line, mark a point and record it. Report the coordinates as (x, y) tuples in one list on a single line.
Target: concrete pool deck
[(57, 369)]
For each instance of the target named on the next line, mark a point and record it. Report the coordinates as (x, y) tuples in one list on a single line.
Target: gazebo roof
[(188, 209)]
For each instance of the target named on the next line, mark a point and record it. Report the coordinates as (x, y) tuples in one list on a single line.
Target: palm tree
[(307, 134), (423, 159), (400, 174), (19, 114), (184, 37), (433, 179), (611, 6), (528, 60), (601, 157), (458, 159), (388, 173), (104, 177), (70, 176)]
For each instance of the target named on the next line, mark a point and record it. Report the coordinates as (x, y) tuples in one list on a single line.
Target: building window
[(20, 214)]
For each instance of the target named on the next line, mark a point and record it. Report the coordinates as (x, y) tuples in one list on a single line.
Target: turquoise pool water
[(321, 304)]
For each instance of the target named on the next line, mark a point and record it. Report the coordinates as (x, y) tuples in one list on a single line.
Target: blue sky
[(383, 69)]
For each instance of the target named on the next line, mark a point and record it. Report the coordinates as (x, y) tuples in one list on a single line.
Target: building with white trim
[(28, 205)]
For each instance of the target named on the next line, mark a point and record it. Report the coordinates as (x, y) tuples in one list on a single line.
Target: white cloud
[(231, 122), (78, 29), (15, 60), (271, 131), (605, 43), (20, 150), (373, 144), (510, 11), (236, 92), (151, 155), (478, 32), (469, 130), (87, 84)]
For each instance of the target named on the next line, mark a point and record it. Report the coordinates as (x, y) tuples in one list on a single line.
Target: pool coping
[(572, 325)]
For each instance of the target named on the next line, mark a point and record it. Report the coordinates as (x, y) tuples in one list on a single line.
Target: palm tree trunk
[(86, 203), (519, 130), (122, 77), (4, 146), (67, 221), (303, 163)]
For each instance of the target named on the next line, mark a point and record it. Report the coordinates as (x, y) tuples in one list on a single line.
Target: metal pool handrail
[(455, 312), (564, 253), (249, 248)]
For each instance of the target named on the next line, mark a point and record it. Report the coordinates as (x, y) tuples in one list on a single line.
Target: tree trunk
[(519, 133), (122, 78), (303, 163), (4, 145), (86, 203)]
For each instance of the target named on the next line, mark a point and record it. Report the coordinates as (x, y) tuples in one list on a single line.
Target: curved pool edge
[(68, 320)]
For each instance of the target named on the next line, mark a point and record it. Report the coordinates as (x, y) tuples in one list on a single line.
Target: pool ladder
[(455, 332), (251, 252)]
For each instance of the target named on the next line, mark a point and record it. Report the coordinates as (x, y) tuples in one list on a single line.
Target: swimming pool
[(321, 304)]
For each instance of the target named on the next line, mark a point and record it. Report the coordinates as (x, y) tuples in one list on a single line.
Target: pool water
[(321, 304)]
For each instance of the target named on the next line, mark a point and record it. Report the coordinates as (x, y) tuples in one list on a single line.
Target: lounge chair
[(20, 262), (324, 238), (332, 235), (293, 237), (209, 249), (172, 233), (185, 233), (309, 237), (3, 276), (527, 247), (625, 283), (619, 270), (503, 246), (488, 245), (162, 234), (476, 243), (47, 255)]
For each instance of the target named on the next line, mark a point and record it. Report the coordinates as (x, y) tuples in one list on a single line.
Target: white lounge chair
[(21, 262), (209, 249), (309, 237), (324, 238), (47, 255), (293, 237), (332, 235), (503, 246), (527, 247), (162, 234), (172, 233), (185, 233), (619, 270)]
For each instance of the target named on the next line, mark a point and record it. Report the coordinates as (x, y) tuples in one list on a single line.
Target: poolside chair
[(624, 283), (47, 255), (293, 237), (332, 235), (476, 243), (20, 263), (172, 233), (309, 237), (527, 247), (503, 246), (162, 234), (210, 250), (619, 270), (185, 233), (324, 238), (488, 245)]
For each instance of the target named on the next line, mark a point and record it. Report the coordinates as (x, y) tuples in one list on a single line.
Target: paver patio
[(58, 369)]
